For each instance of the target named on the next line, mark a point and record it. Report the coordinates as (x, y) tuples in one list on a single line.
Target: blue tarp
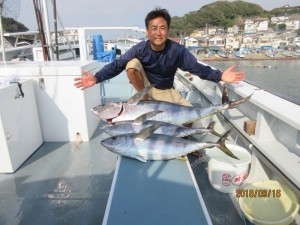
[(98, 50), (268, 47)]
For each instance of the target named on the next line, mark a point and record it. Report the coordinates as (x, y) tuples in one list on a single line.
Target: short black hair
[(158, 12)]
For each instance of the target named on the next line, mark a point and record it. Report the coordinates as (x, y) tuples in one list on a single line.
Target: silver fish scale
[(171, 113), (165, 147), (155, 147), (126, 127), (123, 127)]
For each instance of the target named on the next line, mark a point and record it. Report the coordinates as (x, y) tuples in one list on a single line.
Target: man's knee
[(134, 64), (134, 74), (131, 72)]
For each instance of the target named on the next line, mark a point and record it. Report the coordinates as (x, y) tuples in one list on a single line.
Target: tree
[(281, 27), (225, 14), (239, 21), (11, 25)]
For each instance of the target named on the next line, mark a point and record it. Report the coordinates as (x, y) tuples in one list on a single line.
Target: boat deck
[(69, 183), (61, 183)]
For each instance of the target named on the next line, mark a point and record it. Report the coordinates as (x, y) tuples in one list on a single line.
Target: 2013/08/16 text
[(258, 193)]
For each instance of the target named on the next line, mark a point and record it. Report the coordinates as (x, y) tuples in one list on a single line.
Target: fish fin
[(139, 95), (183, 158), (140, 158), (221, 145), (139, 120), (147, 132)]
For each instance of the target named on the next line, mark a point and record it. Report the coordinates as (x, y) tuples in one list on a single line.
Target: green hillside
[(10, 25), (224, 14)]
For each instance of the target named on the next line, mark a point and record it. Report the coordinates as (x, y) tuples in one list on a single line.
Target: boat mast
[(46, 19), (55, 29), (2, 41), (1, 30), (41, 30)]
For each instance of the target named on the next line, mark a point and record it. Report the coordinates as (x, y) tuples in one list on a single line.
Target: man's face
[(157, 33)]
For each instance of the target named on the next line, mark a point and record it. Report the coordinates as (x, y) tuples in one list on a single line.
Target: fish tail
[(234, 104), (211, 127), (225, 98), (227, 103), (221, 145)]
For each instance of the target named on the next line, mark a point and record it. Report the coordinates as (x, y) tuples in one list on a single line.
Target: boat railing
[(84, 43), (292, 100), (276, 140), (22, 43)]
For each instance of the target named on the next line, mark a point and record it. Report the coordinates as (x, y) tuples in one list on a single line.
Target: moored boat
[(222, 54), (239, 54)]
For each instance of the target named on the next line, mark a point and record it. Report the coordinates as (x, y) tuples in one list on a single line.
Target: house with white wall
[(248, 42), (250, 26), (292, 24), (232, 42), (191, 42), (262, 26), (212, 31), (217, 41), (296, 41), (278, 19), (265, 40)]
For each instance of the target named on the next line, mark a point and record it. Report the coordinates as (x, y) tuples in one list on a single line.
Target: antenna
[(8, 9)]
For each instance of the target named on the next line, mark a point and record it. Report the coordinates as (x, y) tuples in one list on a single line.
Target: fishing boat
[(222, 54), (19, 46), (270, 53), (287, 53), (64, 175), (53, 169), (27, 45), (239, 54)]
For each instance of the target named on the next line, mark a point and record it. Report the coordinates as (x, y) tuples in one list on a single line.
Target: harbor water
[(281, 77)]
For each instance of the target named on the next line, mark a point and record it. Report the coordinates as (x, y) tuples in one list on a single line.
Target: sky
[(78, 13)]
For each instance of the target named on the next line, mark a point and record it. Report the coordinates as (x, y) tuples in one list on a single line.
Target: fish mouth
[(108, 112)]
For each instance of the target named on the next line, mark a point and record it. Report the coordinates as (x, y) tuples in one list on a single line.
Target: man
[(155, 61)]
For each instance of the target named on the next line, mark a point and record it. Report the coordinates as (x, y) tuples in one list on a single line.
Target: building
[(232, 42), (216, 42), (191, 42)]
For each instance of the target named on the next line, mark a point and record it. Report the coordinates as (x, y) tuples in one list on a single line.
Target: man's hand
[(232, 77), (86, 81)]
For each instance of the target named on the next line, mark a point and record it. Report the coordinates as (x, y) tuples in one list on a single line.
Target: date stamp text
[(258, 193)]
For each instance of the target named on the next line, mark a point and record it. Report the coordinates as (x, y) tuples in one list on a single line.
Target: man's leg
[(137, 75), (139, 80), (169, 95), (136, 79)]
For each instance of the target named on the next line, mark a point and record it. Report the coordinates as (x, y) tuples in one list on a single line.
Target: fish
[(146, 145), (171, 112), (142, 122)]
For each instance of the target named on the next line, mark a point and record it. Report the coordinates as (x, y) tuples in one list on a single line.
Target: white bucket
[(278, 206), (226, 174)]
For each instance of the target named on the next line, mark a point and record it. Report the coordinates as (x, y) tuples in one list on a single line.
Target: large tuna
[(148, 146), (171, 113), (142, 122)]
